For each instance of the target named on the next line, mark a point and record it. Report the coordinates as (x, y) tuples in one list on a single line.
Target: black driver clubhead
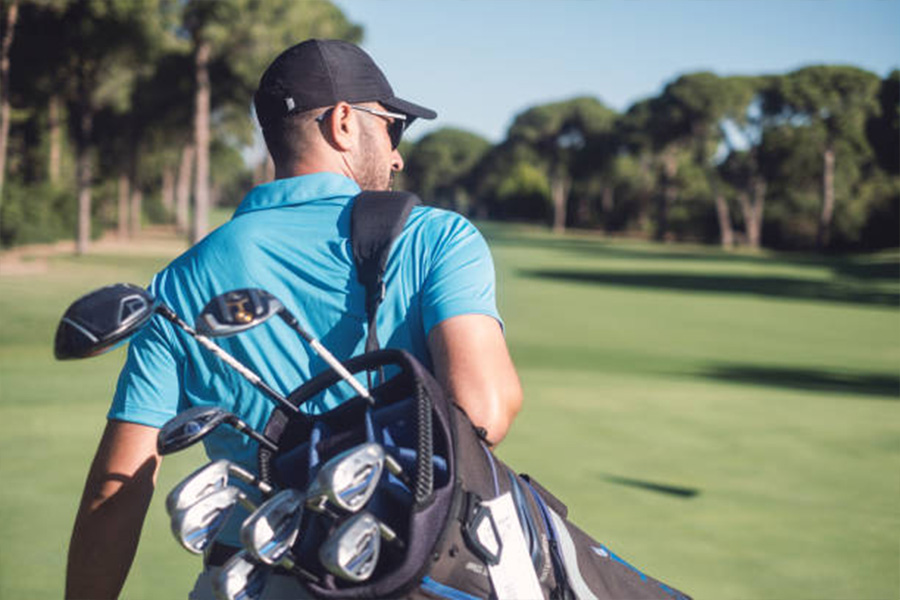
[(237, 311), (98, 321)]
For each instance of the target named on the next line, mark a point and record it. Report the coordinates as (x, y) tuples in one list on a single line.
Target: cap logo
[(289, 102)]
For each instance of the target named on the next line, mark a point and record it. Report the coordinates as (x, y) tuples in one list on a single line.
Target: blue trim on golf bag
[(445, 591)]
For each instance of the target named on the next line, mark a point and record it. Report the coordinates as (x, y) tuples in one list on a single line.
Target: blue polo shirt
[(291, 238)]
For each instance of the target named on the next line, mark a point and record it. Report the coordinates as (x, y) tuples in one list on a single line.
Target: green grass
[(727, 422)]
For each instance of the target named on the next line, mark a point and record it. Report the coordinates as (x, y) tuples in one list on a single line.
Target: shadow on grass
[(773, 287), (860, 267), (882, 385), (659, 488)]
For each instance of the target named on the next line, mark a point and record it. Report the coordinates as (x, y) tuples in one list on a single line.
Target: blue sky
[(480, 62)]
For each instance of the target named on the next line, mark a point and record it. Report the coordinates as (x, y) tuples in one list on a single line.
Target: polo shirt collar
[(298, 190)]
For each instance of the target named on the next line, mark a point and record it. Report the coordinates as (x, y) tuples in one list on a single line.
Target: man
[(332, 124)]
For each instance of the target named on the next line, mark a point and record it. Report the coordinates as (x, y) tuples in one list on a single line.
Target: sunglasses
[(395, 128)]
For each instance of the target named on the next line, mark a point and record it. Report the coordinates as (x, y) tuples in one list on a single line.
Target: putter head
[(237, 311), (351, 553), (349, 479), (272, 529), (189, 427), (97, 322), (196, 526), (240, 578), (207, 479)]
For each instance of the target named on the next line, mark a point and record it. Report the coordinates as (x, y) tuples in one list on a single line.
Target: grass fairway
[(727, 422)]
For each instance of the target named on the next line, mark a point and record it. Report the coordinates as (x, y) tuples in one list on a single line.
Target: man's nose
[(396, 161)]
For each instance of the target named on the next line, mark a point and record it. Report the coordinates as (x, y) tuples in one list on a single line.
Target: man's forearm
[(109, 521)]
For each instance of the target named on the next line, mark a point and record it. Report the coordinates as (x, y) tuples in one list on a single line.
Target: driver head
[(237, 311), (97, 322)]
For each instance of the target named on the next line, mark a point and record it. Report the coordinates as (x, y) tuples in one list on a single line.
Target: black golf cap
[(320, 73)]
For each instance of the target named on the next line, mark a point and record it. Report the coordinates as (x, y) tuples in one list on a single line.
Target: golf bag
[(447, 511)]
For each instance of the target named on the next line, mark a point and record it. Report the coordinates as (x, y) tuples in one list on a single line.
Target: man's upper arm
[(472, 363)]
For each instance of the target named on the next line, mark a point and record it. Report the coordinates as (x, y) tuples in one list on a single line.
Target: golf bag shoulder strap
[(376, 219)]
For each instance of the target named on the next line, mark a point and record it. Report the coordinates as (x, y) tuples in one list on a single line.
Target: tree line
[(113, 112), (118, 112), (804, 160)]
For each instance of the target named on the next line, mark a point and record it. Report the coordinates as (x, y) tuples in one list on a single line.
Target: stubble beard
[(375, 172)]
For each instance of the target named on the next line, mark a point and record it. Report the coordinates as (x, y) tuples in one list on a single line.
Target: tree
[(241, 37), (838, 101), (439, 164), (557, 132), (10, 18)]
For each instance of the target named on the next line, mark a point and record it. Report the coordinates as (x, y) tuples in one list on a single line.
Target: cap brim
[(408, 108)]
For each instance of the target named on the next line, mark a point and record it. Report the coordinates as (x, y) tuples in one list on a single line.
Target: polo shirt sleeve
[(461, 277), (147, 391)]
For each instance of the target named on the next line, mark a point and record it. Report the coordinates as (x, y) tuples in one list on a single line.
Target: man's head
[(324, 105)]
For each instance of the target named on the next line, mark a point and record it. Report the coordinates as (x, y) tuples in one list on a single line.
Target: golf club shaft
[(327, 356), (246, 373), (252, 433), (249, 478)]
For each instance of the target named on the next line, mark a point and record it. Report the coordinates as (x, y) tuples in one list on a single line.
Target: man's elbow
[(504, 407)]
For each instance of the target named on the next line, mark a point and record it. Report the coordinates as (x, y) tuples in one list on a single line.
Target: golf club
[(197, 525), (239, 310), (272, 529), (98, 321), (207, 479), (192, 425), (240, 578), (352, 551), (269, 533), (349, 479)]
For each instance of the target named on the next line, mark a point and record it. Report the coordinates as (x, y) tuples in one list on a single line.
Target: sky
[(478, 63)]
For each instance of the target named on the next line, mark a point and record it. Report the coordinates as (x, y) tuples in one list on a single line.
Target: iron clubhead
[(349, 479), (189, 427), (270, 531), (196, 526), (351, 553), (97, 322), (236, 311), (209, 478), (240, 578)]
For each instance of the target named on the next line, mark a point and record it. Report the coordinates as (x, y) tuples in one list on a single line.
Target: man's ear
[(342, 127)]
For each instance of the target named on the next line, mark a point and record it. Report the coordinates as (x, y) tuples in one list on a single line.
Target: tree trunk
[(122, 215), (201, 140), (726, 233), (669, 195), (754, 224), (85, 171), (823, 235), (183, 189), (559, 192), (54, 125), (12, 15), (167, 193), (137, 201)]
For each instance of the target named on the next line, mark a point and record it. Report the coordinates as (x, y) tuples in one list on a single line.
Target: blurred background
[(694, 208)]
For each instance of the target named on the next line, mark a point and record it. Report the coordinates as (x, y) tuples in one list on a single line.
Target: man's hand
[(472, 363), (116, 496)]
